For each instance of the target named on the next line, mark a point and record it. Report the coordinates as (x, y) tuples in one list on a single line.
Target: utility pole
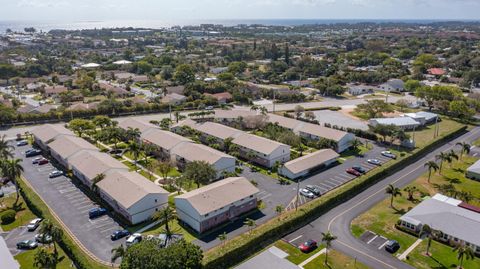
[(170, 110), (274, 101), (298, 191)]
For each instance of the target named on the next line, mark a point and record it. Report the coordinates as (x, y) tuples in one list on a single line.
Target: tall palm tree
[(250, 223), (432, 167), (429, 234), (356, 143), (48, 228), (328, 238), (443, 157), (133, 133), (463, 252), (453, 155), (167, 214), (465, 148), (227, 143), (135, 149), (222, 237), (95, 181), (393, 191), (43, 259), (5, 148), (177, 115), (117, 253), (12, 170)]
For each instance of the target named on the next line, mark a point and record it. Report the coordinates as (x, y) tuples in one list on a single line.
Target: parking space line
[(371, 240), (336, 181), (63, 191), (103, 225), (76, 195), (83, 202), (328, 187), (330, 184), (84, 206), (265, 196), (343, 180), (383, 245), (296, 238), (323, 188)]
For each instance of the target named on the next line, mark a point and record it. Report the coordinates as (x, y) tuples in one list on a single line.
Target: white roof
[(164, 139), (311, 160), (122, 62), (398, 121), (258, 143), (198, 152), (90, 65), (48, 132), (422, 114), (8, 262), (475, 168), (67, 145)]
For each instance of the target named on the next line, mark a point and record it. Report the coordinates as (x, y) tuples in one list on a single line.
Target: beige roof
[(257, 143), (217, 130), (186, 122), (198, 152), (233, 114), (92, 163), (127, 188), (284, 121), (142, 126), (67, 145), (164, 139), (321, 131), (311, 160), (48, 132), (219, 194)]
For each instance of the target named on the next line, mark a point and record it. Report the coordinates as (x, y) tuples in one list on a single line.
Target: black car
[(27, 244), (96, 212), (392, 246), (359, 169), (314, 189), (119, 234), (32, 153)]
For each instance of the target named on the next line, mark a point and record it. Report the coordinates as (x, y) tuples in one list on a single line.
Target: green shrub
[(8, 216)]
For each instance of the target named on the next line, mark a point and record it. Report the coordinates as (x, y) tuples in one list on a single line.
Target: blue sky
[(236, 9)]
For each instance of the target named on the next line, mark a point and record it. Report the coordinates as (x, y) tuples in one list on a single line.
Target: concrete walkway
[(313, 257), (404, 255)]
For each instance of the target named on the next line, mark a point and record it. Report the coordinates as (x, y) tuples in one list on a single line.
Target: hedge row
[(240, 248), (39, 208)]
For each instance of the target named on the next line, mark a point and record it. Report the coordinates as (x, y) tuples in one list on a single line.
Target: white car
[(55, 173), (133, 239), (33, 225), (307, 193)]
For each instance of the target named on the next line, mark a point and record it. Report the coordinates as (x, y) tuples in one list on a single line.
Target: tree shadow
[(453, 180), (459, 170), (399, 211)]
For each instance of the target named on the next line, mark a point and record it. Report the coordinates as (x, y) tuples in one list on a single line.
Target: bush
[(8, 216)]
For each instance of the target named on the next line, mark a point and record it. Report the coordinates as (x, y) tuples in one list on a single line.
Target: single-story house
[(396, 85), (66, 146), (86, 165), (436, 71), (80, 106), (227, 116), (164, 141), (270, 258), (136, 123), (189, 152), (174, 99), (176, 89), (44, 134), (405, 123), (209, 206), (309, 163), (267, 152), (133, 196), (422, 117), (473, 172), (359, 89), (54, 90), (222, 98), (209, 129), (457, 222)]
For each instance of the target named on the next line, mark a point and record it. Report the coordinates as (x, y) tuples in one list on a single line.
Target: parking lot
[(373, 239), (17, 235), (336, 176), (72, 206)]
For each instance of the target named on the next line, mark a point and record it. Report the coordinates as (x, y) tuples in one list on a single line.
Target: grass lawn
[(24, 215), (442, 257), (25, 259), (351, 153), (336, 260), (175, 227), (294, 254), (424, 136)]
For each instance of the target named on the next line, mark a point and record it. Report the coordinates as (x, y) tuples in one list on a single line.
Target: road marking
[(383, 245), (367, 255), (296, 238), (336, 181), (328, 187), (370, 241), (330, 184), (265, 196)]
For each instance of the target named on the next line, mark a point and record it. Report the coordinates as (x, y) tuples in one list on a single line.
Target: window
[(155, 200), (206, 215)]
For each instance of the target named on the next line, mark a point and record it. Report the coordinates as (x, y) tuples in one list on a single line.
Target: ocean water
[(157, 24)]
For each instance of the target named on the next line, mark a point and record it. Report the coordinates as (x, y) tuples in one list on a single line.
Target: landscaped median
[(241, 247), (69, 244)]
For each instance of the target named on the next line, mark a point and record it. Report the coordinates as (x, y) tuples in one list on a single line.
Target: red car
[(308, 246), (42, 161), (353, 172)]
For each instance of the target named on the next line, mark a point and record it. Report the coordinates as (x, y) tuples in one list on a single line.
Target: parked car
[(119, 234), (36, 160), (33, 152), (22, 143), (392, 246), (314, 189), (374, 161), (209, 108), (307, 193), (308, 246), (353, 172), (55, 173), (389, 154), (33, 225), (360, 169), (42, 161), (133, 239), (96, 212), (43, 238), (27, 244)]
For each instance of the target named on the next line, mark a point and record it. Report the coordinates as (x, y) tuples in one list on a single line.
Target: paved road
[(338, 219)]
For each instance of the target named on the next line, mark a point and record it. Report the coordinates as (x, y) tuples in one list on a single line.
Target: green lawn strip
[(294, 254), (26, 259), (336, 260), (425, 135), (356, 230), (354, 153), (175, 227), (442, 257), (23, 216)]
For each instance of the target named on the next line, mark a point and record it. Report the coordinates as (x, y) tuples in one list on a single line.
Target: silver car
[(307, 193)]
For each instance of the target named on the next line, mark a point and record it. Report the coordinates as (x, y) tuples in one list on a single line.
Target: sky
[(101, 10)]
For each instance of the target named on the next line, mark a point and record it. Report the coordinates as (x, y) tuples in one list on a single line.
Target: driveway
[(72, 206), (16, 235)]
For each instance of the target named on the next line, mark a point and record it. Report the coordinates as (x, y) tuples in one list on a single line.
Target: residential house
[(136, 123), (396, 85), (473, 172), (164, 141), (55, 90), (174, 99), (222, 201), (66, 146), (266, 152), (44, 134), (80, 106), (222, 98), (423, 117), (8, 261), (309, 164), (405, 123)]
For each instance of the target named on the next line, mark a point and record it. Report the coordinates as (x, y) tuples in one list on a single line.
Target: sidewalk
[(313, 257), (404, 255)]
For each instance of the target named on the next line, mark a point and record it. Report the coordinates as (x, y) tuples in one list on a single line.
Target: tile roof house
[(44, 134), (436, 71), (309, 163), (209, 206)]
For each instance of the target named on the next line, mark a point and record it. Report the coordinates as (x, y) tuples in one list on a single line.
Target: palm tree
[(463, 252), (12, 170), (393, 191), (227, 143), (222, 237), (356, 143), (43, 259), (279, 209), (177, 115), (452, 155), (427, 232), (327, 238), (411, 192), (442, 157), (465, 148), (251, 156), (135, 149), (263, 110), (133, 133), (254, 107), (117, 252), (167, 214), (432, 167), (48, 228), (5, 148), (250, 223), (95, 181)]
